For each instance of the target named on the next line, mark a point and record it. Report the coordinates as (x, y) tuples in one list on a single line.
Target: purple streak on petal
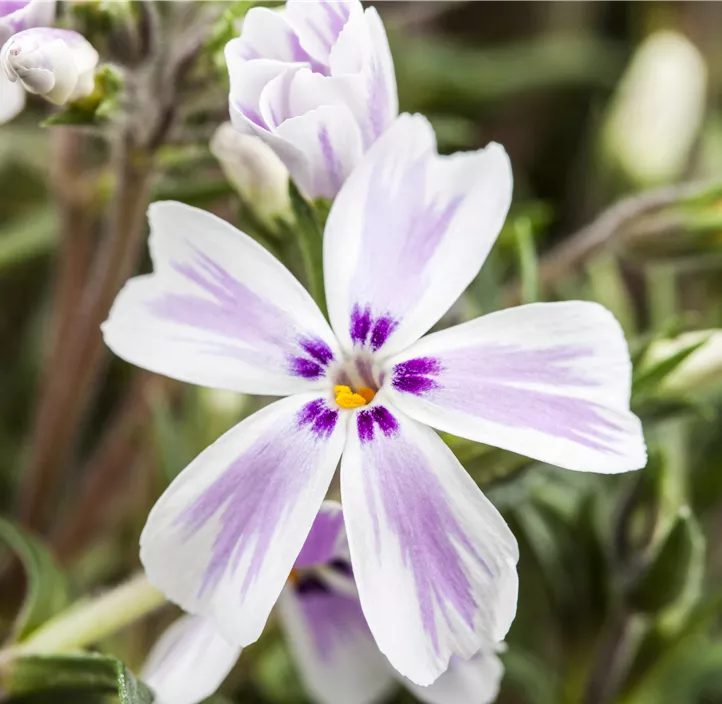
[(365, 426), (253, 494), (360, 324), (331, 618), (379, 416), (485, 382), (7, 7), (324, 540), (369, 329), (319, 416), (383, 327), (378, 103), (251, 114), (317, 349), (402, 487), (300, 366), (332, 166), (413, 376)]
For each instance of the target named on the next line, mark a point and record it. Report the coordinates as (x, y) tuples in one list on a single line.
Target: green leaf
[(27, 236), (528, 263), (47, 586), (677, 561), (82, 671), (647, 379)]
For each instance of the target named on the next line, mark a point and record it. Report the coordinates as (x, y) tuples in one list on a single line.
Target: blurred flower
[(17, 15), (57, 64), (12, 99), (328, 639), (255, 171), (434, 562), (316, 82), (658, 109)]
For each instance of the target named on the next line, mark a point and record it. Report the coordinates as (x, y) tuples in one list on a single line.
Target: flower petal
[(189, 662), (407, 233), (548, 380), (330, 140), (335, 654), (474, 681), (327, 539), (434, 561), (218, 311), (12, 98), (223, 538)]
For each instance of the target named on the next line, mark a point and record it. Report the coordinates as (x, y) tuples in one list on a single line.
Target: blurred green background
[(611, 114)]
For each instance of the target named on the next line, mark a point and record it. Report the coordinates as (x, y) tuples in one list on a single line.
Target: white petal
[(218, 311), (12, 98), (223, 538), (474, 681), (434, 561), (330, 140), (189, 662), (36, 13), (407, 233), (319, 24), (548, 380), (335, 654)]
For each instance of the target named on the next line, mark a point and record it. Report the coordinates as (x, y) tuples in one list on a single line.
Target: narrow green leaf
[(648, 378), (528, 263), (27, 236), (82, 671), (47, 586)]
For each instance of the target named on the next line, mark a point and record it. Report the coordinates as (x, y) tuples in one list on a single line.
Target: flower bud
[(12, 99), (56, 63), (255, 172), (17, 15), (658, 109)]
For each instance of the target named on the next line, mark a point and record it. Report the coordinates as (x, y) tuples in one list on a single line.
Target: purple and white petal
[(474, 681), (334, 651), (549, 380), (224, 536), (434, 562), (189, 662), (327, 540), (18, 15), (219, 311), (407, 234), (12, 98)]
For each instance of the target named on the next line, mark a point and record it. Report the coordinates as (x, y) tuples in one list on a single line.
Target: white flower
[(658, 110), (316, 82), (327, 636), (12, 99), (17, 15), (255, 171), (434, 562), (57, 64)]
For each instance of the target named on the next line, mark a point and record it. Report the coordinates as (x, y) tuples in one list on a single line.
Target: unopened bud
[(57, 64), (255, 172)]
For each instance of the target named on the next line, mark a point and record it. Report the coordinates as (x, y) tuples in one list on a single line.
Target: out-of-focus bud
[(17, 15), (255, 171), (57, 64), (656, 114), (12, 98)]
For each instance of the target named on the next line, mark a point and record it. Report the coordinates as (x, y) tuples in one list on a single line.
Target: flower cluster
[(428, 575)]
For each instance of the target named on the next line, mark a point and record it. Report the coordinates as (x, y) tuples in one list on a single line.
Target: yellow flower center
[(346, 398)]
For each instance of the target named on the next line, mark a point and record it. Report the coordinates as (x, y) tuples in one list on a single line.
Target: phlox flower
[(316, 82), (433, 561), (16, 16), (327, 636)]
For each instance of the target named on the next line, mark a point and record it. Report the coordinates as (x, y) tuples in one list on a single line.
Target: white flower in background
[(658, 110), (15, 16), (255, 172), (316, 82), (328, 640), (57, 64), (434, 562)]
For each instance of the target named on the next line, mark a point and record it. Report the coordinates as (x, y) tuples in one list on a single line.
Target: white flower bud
[(12, 99), (56, 63), (658, 109), (255, 172)]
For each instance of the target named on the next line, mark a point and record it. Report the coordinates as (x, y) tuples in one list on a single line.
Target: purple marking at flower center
[(367, 329), (413, 376), (416, 510), (319, 417), (376, 416)]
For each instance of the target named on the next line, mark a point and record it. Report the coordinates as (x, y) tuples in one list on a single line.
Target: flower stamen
[(347, 398)]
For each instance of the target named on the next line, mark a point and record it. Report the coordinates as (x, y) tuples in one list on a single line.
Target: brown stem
[(70, 388)]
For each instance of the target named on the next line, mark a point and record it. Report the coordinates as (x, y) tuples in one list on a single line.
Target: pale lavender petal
[(223, 538), (189, 662), (330, 642), (219, 311), (18, 15), (12, 98), (407, 233), (551, 381), (434, 562), (327, 540)]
